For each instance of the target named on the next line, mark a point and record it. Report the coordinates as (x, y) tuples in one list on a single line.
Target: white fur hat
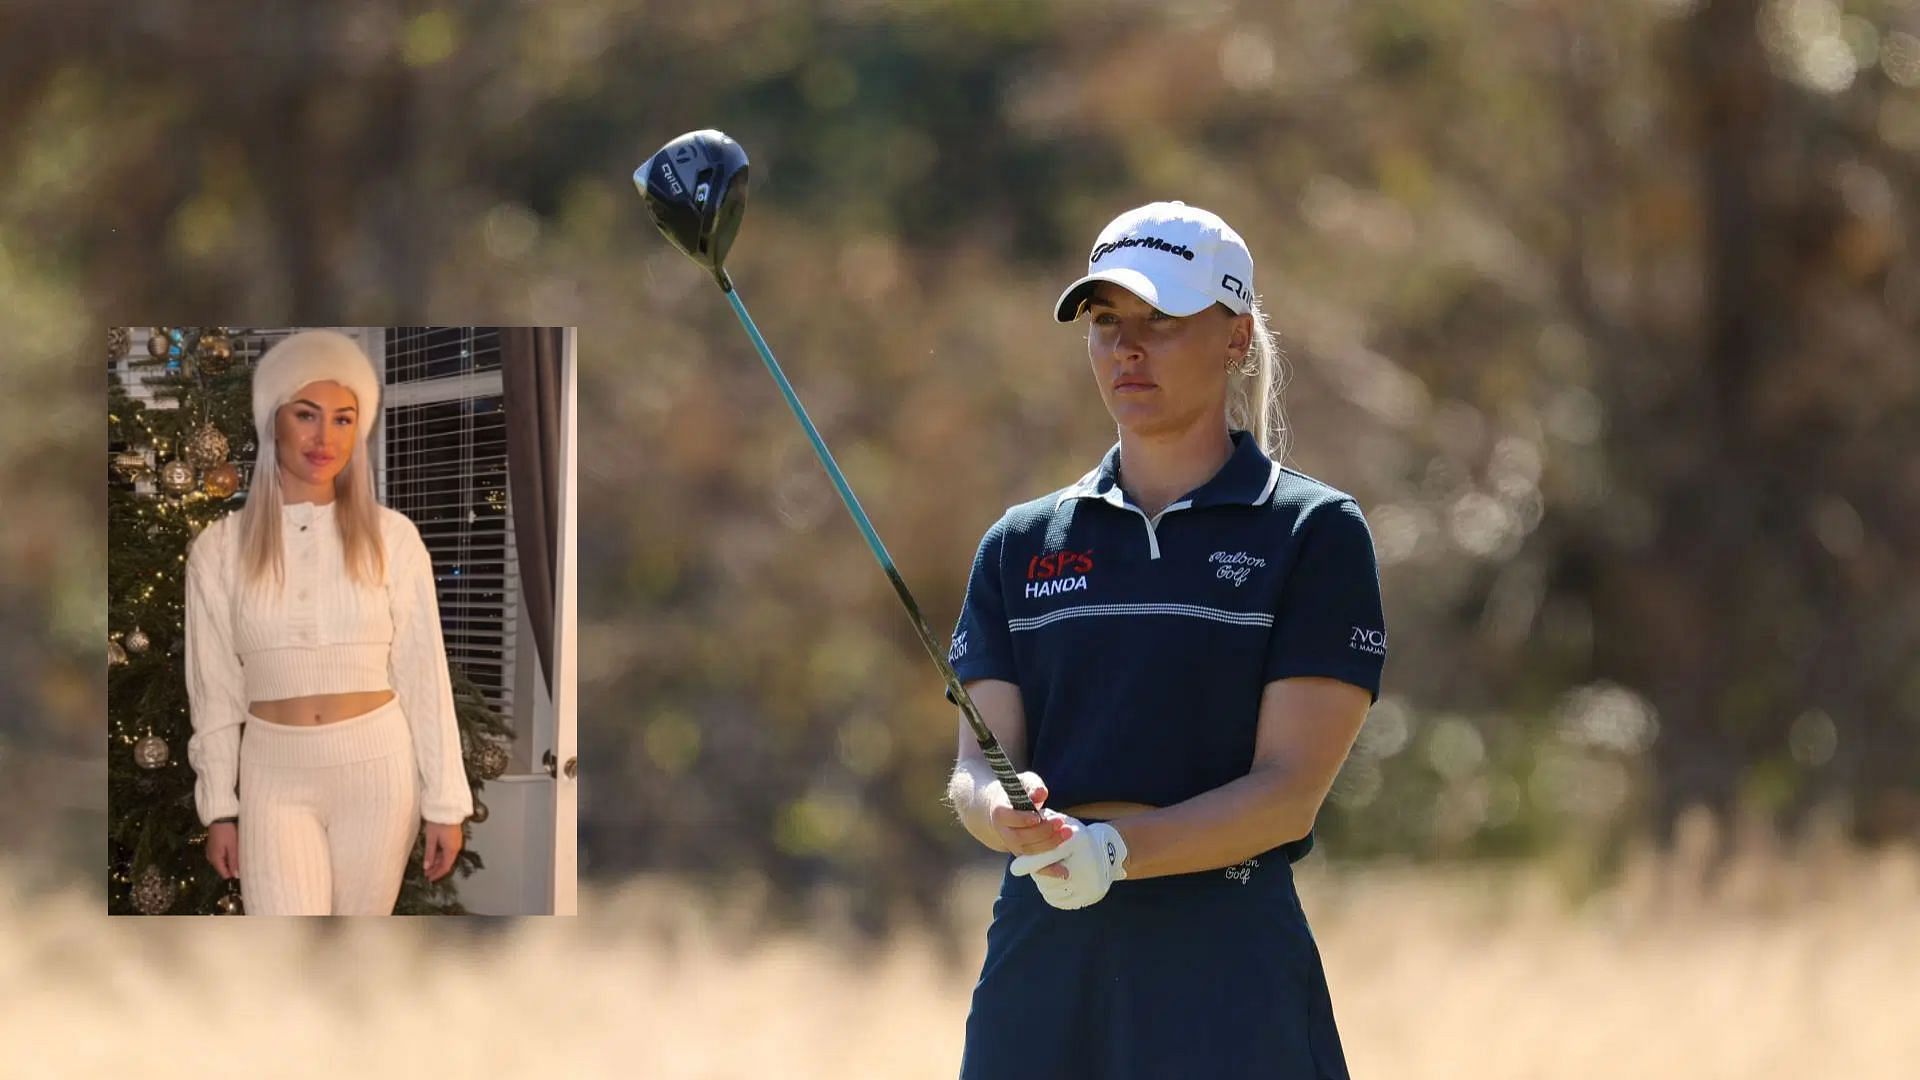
[(313, 356)]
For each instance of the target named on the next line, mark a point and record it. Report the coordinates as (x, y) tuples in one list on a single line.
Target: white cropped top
[(323, 633)]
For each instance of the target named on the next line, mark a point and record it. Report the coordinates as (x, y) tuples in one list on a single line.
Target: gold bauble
[(228, 905), (479, 812), (154, 893), (206, 447), (177, 477), (118, 340), (214, 352), (130, 464), (222, 480), (137, 641), (490, 760), (150, 752), (115, 654), (159, 343)]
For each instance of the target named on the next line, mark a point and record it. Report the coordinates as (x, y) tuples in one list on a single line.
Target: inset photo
[(341, 620)]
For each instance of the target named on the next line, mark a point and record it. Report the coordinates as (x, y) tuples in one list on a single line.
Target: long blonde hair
[(1254, 386), (355, 512)]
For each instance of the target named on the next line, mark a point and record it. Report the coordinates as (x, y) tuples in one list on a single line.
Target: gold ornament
[(228, 905), (116, 655), (137, 641), (150, 752), (222, 480), (206, 447), (490, 760), (177, 477), (154, 893), (159, 344), (214, 351), (479, 812), (131, 465), (118, 340)]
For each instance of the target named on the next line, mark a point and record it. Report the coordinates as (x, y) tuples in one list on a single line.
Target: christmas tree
[(172, 448)]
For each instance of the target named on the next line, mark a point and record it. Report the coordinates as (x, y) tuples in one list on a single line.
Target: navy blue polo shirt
[(1142, 646)]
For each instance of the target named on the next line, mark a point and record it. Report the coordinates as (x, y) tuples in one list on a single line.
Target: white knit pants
[(328, 814)]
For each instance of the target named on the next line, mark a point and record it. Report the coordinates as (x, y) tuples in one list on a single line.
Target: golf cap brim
[(1168, 297)]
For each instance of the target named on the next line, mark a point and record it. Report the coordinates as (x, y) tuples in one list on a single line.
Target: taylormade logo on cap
[(1154, 242), (1179, 258)]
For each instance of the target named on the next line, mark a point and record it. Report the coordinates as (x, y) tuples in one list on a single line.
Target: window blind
[(445, 467)]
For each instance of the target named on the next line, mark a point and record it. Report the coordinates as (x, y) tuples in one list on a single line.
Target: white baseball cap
[(1179, 258)]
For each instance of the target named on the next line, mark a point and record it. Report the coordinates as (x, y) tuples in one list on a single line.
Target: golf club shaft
[(990, 746)]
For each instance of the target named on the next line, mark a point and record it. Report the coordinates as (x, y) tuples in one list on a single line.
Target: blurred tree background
[(1607, 314)]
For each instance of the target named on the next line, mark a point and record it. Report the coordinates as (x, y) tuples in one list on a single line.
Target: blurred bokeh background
[(1609, 316)]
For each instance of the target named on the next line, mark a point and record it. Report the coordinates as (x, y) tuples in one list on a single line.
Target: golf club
[(696, 189)]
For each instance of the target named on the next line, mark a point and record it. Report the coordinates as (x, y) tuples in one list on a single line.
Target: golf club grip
[(996, 755), (990, 746), (1003, 770)]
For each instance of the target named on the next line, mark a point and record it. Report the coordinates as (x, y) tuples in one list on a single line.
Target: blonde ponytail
[(1253, 390)]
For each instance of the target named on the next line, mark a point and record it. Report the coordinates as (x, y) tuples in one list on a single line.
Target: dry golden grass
[(1801, 967)]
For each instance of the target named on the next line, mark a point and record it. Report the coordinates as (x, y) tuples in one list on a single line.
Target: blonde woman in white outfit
[(313, 628)]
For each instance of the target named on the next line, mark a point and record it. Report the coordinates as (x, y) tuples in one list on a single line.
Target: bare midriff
[(320, 708), (1106, 811)]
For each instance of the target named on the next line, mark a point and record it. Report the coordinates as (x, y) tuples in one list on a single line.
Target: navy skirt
[(1206, 974)]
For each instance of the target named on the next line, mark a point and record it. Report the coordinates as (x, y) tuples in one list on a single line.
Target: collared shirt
[(1142, 645)]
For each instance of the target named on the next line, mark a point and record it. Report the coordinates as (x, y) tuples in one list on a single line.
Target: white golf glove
[(1095, 858)]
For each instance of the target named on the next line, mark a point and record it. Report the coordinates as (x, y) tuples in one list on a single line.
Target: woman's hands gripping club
[(1072, 863)]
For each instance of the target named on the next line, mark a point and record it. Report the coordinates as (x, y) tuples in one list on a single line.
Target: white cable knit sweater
[(324, 633)]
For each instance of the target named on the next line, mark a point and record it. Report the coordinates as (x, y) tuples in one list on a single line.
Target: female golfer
[(313, 626), (1181, 647)]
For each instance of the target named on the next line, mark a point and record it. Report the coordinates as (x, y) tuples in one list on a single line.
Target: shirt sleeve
[(216, 687), (1330, 621), (982, 647), (421, 680)]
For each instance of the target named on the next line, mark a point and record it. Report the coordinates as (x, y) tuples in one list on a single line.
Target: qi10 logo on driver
[(1062, 571), (672, 178)]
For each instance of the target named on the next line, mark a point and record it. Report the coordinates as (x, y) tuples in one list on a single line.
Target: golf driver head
[(696, 189)]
